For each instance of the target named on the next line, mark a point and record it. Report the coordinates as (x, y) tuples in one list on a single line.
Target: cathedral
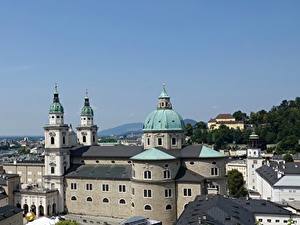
[(155, 180)]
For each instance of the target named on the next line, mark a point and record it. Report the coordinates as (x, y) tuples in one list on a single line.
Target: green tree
[(236, 184), (240, 116), (67, 222), (188, 130), (288, 158)]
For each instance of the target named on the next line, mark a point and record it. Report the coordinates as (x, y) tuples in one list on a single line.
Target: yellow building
[(227, 120)]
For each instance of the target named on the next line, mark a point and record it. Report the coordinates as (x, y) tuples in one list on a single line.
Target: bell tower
[(87, 131), (57, 155)]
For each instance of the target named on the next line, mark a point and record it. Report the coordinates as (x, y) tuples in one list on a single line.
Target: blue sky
[(214, 56)]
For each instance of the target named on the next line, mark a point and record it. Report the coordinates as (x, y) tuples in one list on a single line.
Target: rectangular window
[(167, 174), (105, 187), (174, 141), (168, 193), (89, 187), (52, 169), (73, 186), (187, 192), (159, 142), (147, 194), (214, 171), (148, 141), (132, 191), (122, 188)]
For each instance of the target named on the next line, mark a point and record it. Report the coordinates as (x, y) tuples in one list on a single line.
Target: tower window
[(147, 208), (147, 193), (122, 201), (174, 142), (147, 175), (122, 188), (167, 174), (214, 171), (84, 139), (159, 141), (52, 140), (64, 140), (52, 169), (168, 207), (148, 141), (94, 139)]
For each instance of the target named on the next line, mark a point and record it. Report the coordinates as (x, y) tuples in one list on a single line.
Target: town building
[(279, 182), (220, 210), (156, 180), (239, 165), (227, 120)]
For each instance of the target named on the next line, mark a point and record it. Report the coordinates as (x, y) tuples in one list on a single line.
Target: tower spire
[(55, 94), (164, 99)]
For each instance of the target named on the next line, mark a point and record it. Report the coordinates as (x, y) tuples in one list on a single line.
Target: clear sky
[(214, 56)]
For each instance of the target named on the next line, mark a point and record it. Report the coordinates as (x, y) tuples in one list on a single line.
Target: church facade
[(155, 180)]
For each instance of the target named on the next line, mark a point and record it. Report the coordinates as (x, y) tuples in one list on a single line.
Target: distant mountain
[(129, 128), (122, 129)]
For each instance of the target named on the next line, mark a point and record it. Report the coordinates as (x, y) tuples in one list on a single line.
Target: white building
[(279, 182)]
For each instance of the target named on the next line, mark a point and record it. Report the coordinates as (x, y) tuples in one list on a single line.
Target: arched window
[(132, 204), (84, 139), (89, 199), (105, 200), (73, 198), (147, 174), (122, 201), (52, 140), (148, 207), (167, 174), (168, 207)]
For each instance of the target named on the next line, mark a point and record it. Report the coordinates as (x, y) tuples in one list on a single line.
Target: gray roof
[(220, 210), (118, 151), (121, 151), (8, 211), (186, 175), (104, 172), (3, 195), (268, 174), (5, 176), (292, 168)]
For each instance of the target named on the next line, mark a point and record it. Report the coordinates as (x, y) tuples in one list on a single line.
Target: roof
[(117, 151), (163, 120), (8, 211), (127, 152), (186, 175), (153, 154), (200, 151), (104, 172), (291, 168), (268, 174), (220, 210), (3, 195), (224, 116), (4, 177), (164, 93)]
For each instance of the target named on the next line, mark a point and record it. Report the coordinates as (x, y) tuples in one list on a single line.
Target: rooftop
[(8, 211), (153, 154)]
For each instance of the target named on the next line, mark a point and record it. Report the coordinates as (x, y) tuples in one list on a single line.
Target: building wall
[(3, 202), (166, 140), (12, 185), (97, 207), (101, 161), (30, 173), (264, 188), (16, 219), (252, 165), (276, 219), (182, 200), (242, 168), (286, 194)]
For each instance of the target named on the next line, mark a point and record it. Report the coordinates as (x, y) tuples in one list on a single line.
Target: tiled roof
[(186, 175), (268, 174), (8, 211)]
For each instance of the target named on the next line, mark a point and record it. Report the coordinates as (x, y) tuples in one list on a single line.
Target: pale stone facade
[(155, 180), (227, 120)]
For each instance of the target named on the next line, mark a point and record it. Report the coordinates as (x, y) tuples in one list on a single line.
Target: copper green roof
[(164, 93), (163, 120), (87, 109), (207, 152), (153, 154), (56, 107)]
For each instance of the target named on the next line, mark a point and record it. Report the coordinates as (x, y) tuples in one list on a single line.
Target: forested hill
[(280, 125)]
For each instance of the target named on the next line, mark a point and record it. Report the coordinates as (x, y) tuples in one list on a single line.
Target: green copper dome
[(163, 120), (87, 111), (56, 107)]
